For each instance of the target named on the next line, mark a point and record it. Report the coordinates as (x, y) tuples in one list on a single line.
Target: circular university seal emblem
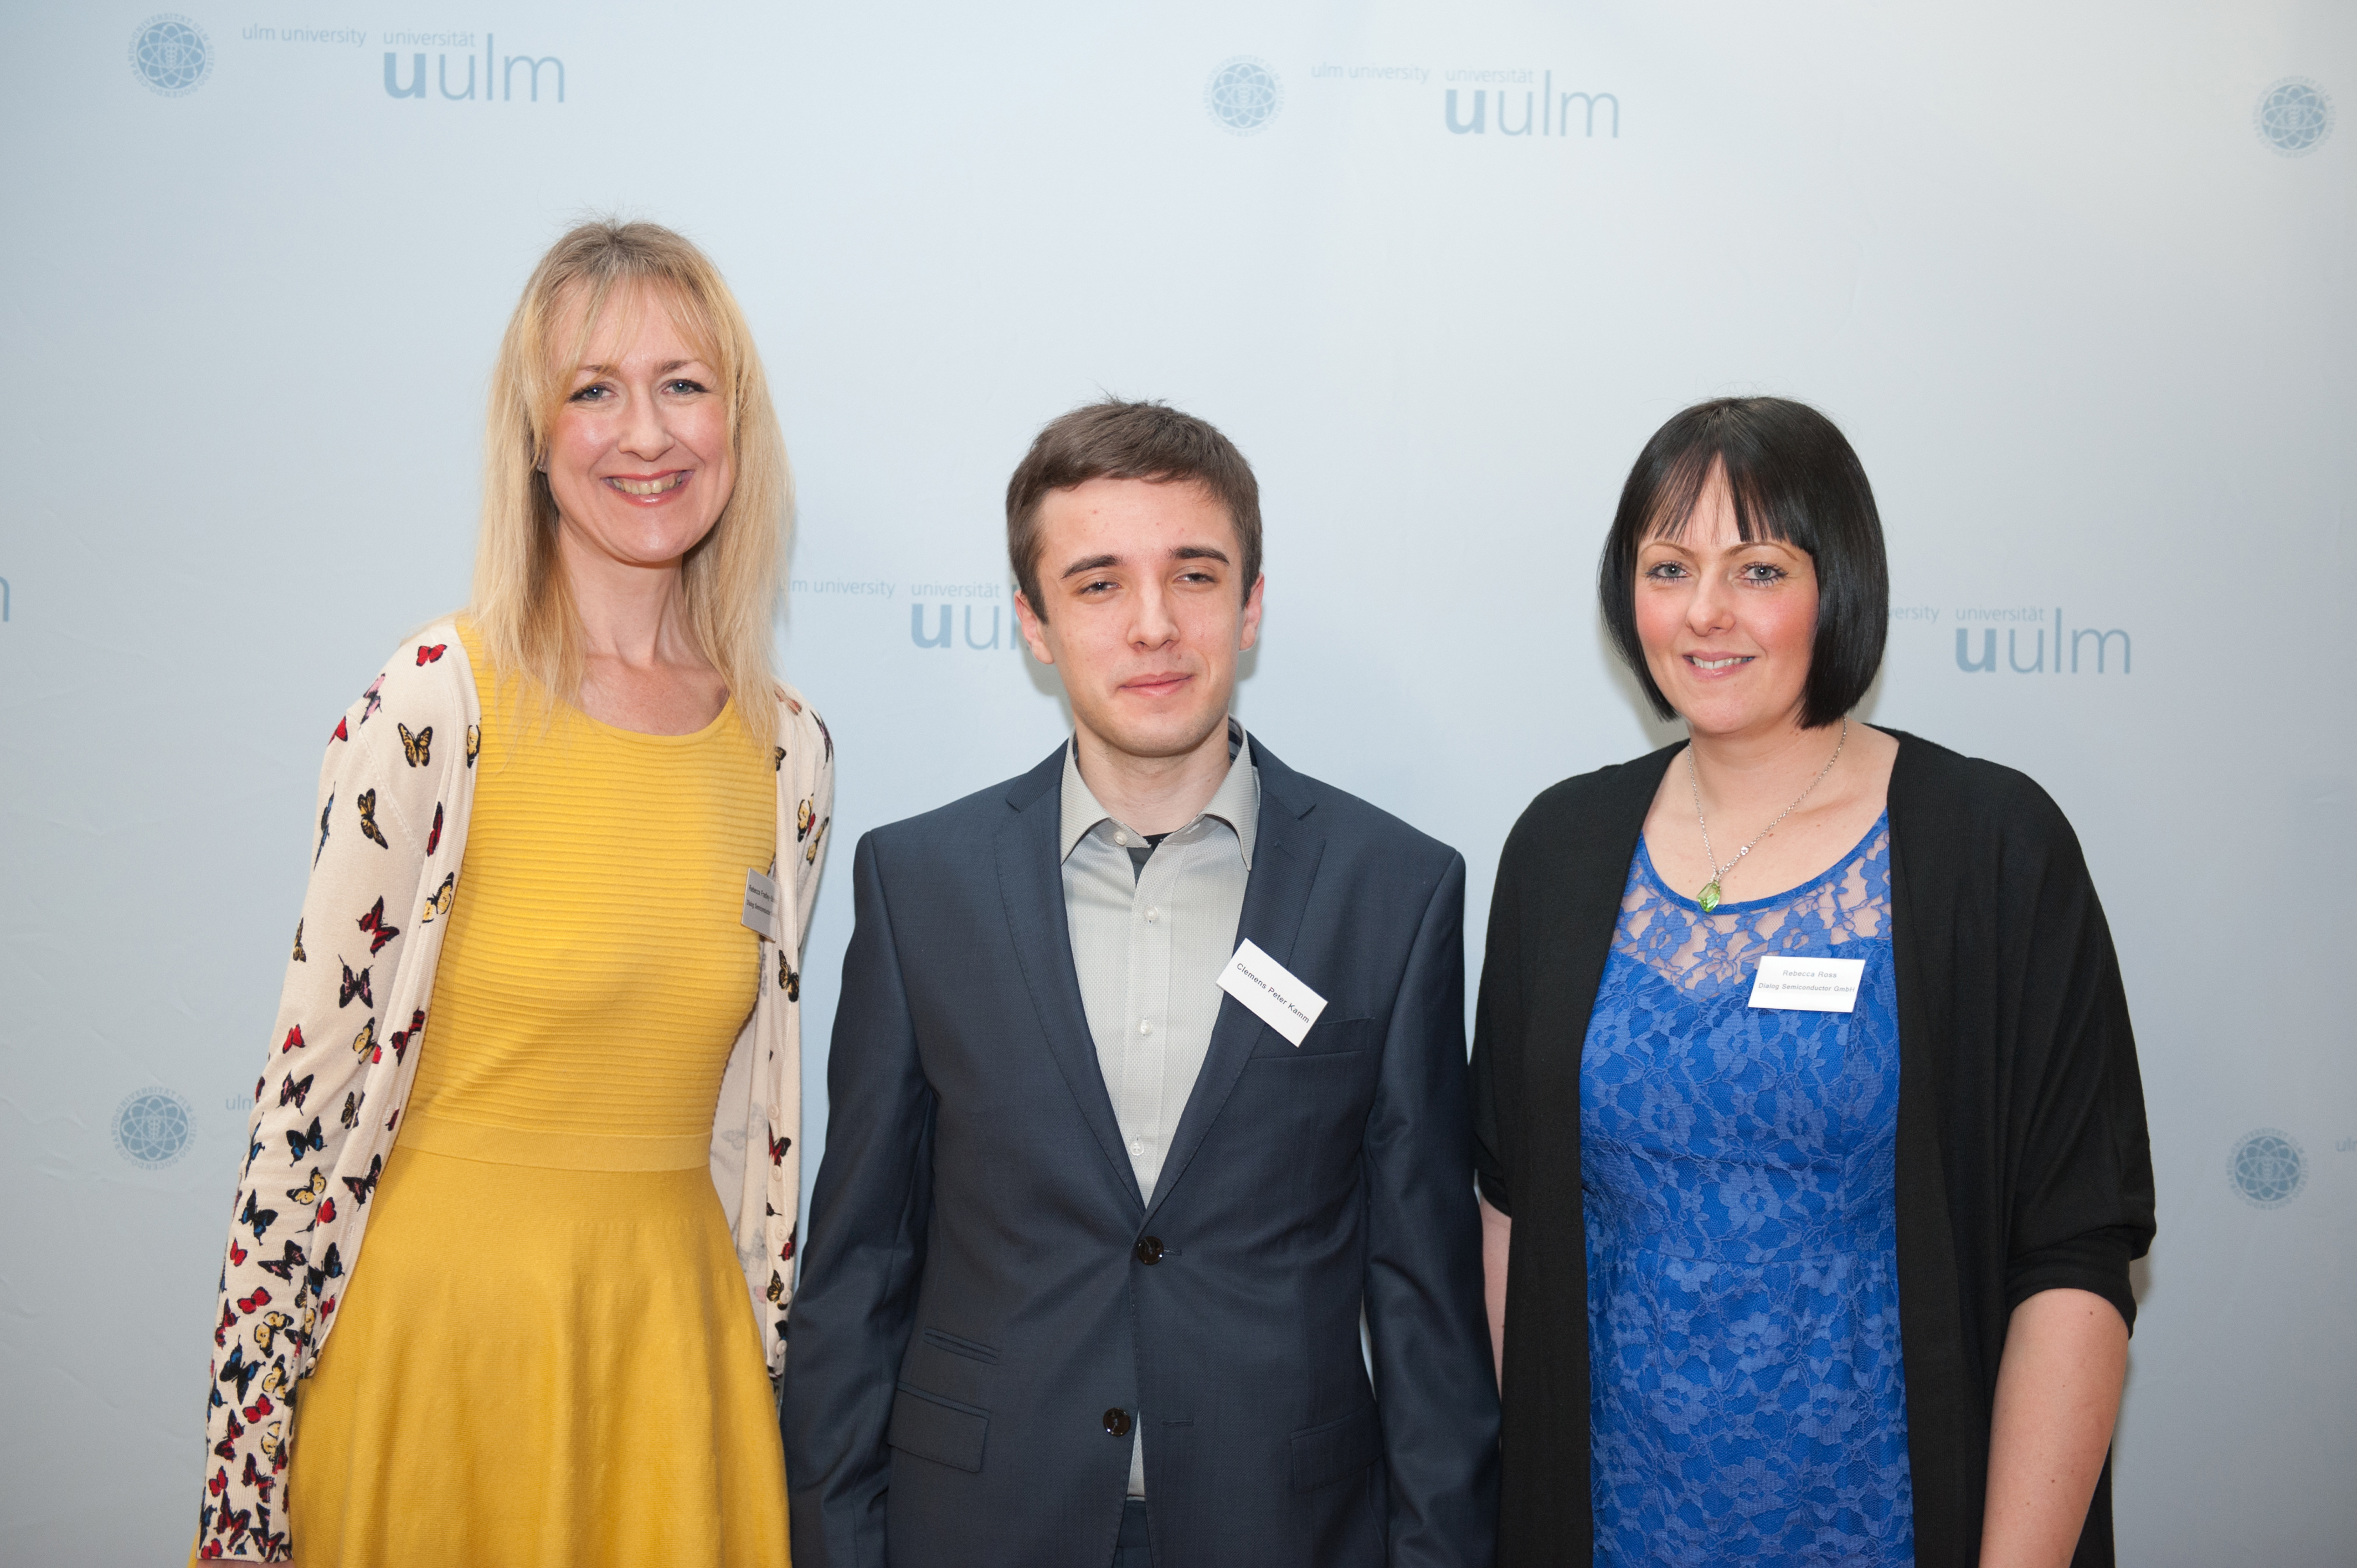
[(2267, 1169), (2294, 116), (171, 55), (1243, 94), (151, 1127)]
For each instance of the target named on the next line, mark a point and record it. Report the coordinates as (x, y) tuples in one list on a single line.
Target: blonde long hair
[(523, 607)]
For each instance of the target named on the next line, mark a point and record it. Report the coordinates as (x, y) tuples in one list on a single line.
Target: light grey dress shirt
[(1149, 944)]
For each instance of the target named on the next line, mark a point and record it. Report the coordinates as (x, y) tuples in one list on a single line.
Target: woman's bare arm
[(1497, 1231), (2058, 1395)]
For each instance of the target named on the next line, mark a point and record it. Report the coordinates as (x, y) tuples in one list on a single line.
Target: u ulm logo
[(1544, 112), (499, 76), (2090, 650), (937, 631)]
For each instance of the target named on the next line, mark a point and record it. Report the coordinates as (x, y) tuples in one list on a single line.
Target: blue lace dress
[(1747, 1394)]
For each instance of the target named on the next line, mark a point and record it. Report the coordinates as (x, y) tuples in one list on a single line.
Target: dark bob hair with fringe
[(1794, 478)]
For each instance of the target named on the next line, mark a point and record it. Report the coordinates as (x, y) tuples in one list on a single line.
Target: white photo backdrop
[(2076, 281)]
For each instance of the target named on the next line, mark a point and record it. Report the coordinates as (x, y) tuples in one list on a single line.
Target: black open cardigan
[(2023, 1163)]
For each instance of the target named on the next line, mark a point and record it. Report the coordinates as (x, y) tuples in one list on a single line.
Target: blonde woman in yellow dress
[(539, 1039)]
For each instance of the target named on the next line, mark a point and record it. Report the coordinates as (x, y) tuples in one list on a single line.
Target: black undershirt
[(1140, 853)]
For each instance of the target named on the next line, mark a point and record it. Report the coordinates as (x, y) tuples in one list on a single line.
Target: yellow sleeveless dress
[(547, 1357)]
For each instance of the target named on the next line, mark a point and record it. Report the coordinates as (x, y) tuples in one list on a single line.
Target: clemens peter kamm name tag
[(1809, 984), (1270, 990)]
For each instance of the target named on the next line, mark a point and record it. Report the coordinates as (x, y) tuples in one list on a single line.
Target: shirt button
[(1146, 1026), (1116, 1422), (1152, 916), (1149, 1250), (1138, 1146), (1122, 839)]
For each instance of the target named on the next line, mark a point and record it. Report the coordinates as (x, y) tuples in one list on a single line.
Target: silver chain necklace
[(1708, 897)]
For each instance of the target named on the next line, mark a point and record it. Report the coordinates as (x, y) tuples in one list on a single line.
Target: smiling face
[(1728, 626), (1145, 614), (639, 455)]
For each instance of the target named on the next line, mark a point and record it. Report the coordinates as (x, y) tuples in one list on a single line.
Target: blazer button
[(1117, 1423), (1149, 1248)]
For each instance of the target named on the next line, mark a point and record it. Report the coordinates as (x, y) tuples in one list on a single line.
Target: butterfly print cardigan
[(387, 865)]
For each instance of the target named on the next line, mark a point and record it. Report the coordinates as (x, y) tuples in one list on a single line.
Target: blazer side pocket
[(933, 1428), (1336, 1451)]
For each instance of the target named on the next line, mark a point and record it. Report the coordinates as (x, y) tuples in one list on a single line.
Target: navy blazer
[(986, 1298)]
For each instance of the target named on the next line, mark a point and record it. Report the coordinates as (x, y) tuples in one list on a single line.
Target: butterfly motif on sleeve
[(239, 1370), (777, 1147), (324, 812), (474, 742), (258, 1084), (365, 1187), (430, 655), (310, 1192), (381, 932), (354, 985), (295, 1090), (779, 766), (343, 730), (364, 1042), (227, 1447), (300, 1144), (221, 1332), (789, 981), (236, 1253), (805, 814), (288, 1261), (255, 1218), (777, 1291), (825, 734), (416, 747), (404, 1038), (439, 904), (366, 801), (271, 1326), (374, 699), (330, 1267), (433, 835), (293, 1042), (811, 854), (351, 1117), (300, 956)]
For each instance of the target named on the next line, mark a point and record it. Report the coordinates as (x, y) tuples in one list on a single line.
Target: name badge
[(1809, 984), (761, 905), (1272, 991)]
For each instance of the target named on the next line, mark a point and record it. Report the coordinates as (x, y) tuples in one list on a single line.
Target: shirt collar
[(1236, 802)]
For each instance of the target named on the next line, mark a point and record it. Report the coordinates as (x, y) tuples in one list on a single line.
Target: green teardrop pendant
[(1708, 898)]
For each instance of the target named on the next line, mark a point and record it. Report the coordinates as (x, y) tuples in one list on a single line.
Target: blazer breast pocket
[(1327, 1037), (933, 1428)]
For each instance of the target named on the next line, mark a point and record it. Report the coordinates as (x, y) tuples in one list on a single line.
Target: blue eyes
[(598, 391)]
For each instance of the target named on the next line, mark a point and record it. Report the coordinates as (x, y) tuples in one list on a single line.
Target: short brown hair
[(1118, 440)]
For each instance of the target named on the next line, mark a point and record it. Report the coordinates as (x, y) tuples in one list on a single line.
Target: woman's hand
[(2058, 1395)]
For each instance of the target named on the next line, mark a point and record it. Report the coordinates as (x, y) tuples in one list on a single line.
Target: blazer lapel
[(1030, 881), (1276, 896)]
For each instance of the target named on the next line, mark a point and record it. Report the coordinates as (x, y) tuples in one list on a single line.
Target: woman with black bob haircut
[(1810, 1136)]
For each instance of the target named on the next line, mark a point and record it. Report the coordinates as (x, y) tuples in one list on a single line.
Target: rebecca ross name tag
[(1809, 984), (761, 905), (1270, 990)]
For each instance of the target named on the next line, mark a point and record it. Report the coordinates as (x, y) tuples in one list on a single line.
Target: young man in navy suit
[(1101, 1214)]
